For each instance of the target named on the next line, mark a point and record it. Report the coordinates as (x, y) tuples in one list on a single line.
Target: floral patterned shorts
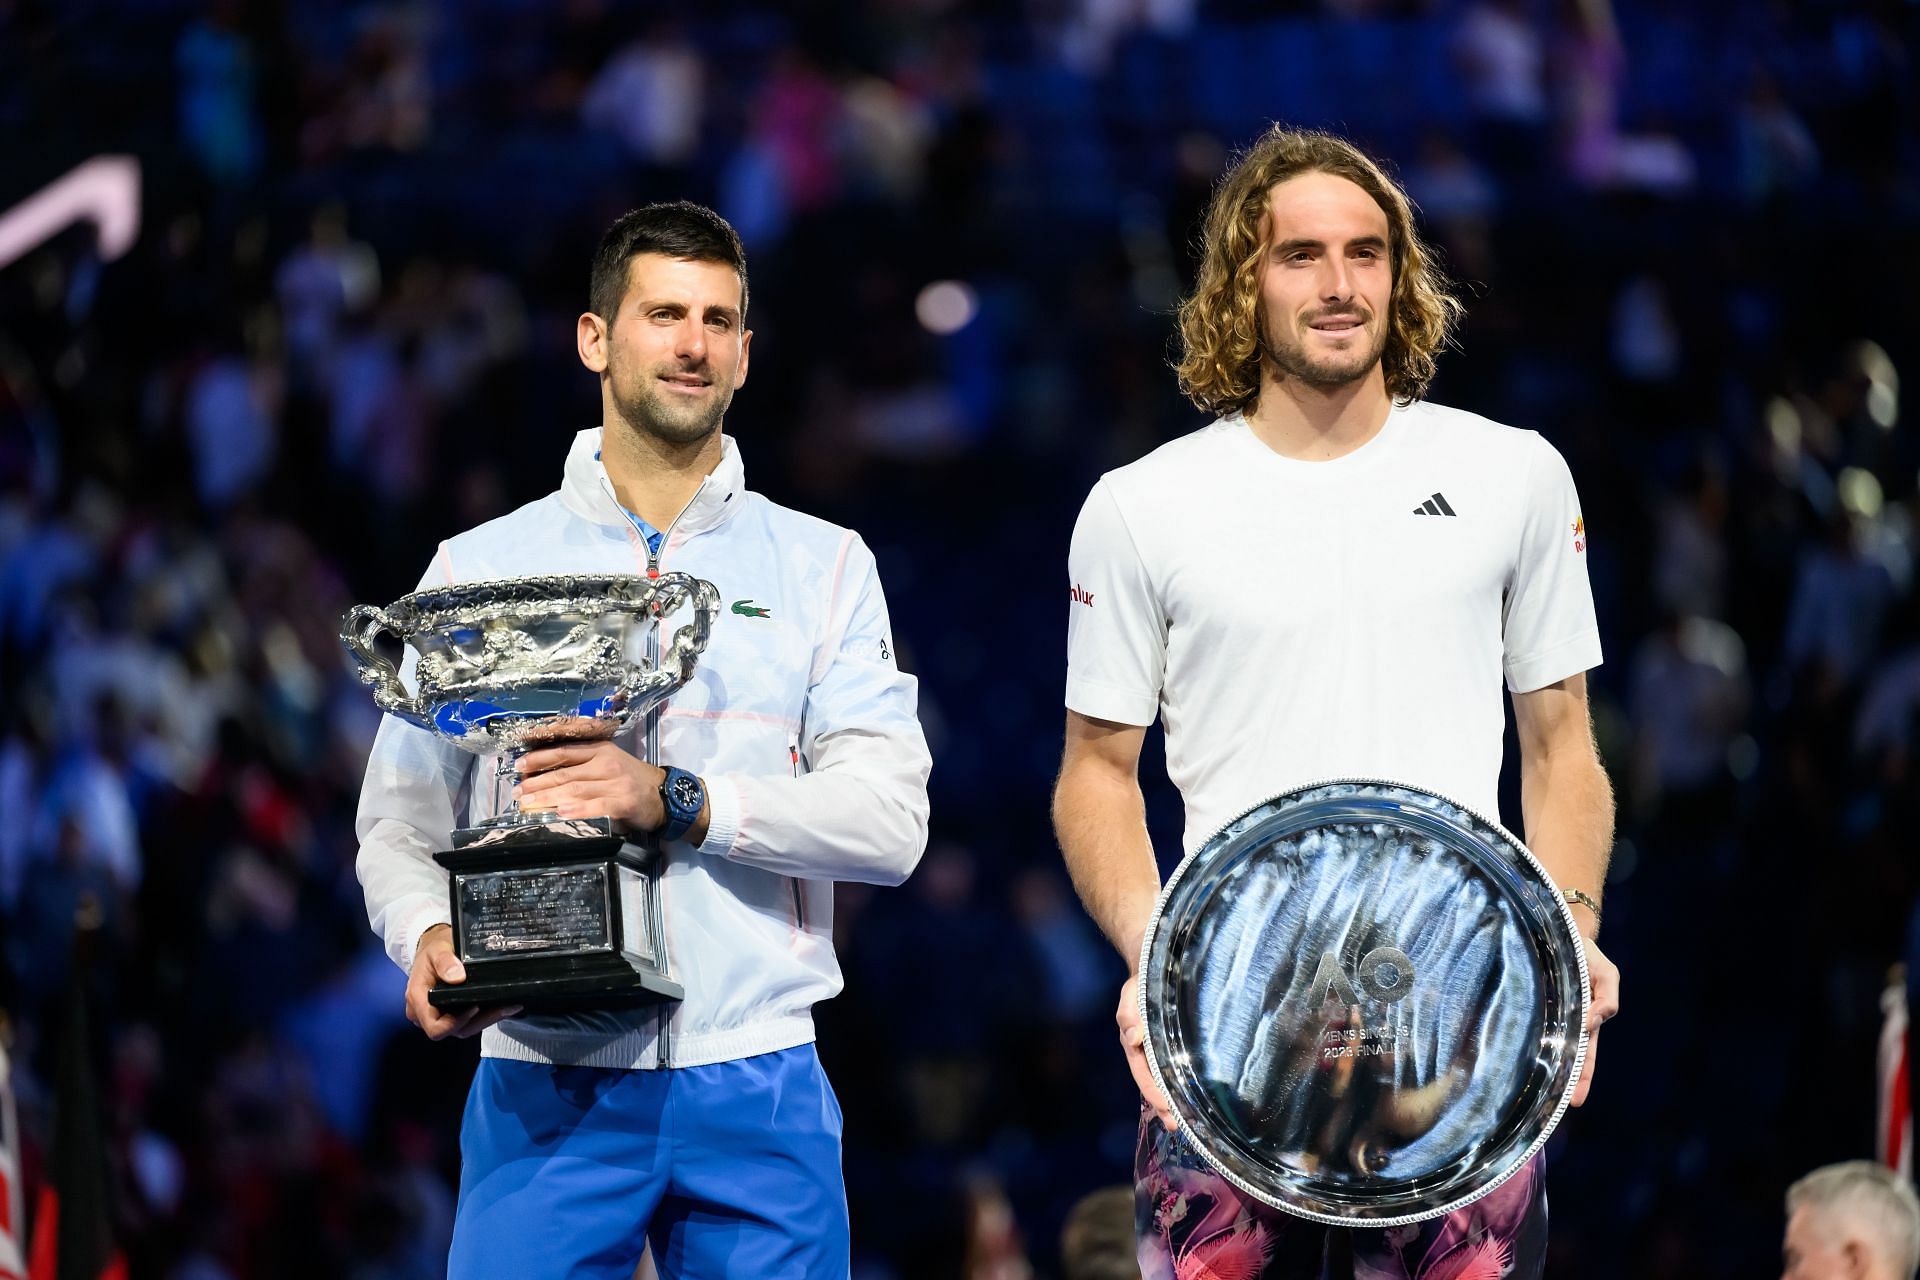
[(1192, 1224)]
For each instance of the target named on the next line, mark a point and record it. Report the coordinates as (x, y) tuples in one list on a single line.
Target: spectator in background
[(885, 133), (1883, 731), (1690, 560), (215, 63), (23, 763), (1839, 599), (1851, 1221), (328, 277), (1646, 345), (233, 412), (1097, 1241), (58, 551), (1088, 30), (85, 811), (1591, 78), (380, 417), (1775, 150), (1689, 703), (787, 164), (650, 95), (1501, 60), (1447, 185), (388, 102)]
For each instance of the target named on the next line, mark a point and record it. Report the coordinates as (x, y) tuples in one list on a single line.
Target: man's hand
[(434, 963), (1133, 1038), (598, 779), (1605, 1002)]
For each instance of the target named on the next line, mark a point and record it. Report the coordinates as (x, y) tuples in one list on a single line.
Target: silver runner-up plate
[(1364, 1002)]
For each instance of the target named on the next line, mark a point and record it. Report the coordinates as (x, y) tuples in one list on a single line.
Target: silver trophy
[(1364, 1002), (548, 913)]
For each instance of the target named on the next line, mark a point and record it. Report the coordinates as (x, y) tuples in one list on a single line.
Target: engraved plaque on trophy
[(548, 913)]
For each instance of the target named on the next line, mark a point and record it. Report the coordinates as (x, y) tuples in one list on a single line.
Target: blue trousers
[(729, 1170)]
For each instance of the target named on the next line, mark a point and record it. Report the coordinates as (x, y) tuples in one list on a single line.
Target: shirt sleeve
[(1548, 627), (1116, 627), (859, 812), (414, 792)]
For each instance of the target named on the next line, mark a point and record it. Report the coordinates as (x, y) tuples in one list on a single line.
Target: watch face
[(686, 792)]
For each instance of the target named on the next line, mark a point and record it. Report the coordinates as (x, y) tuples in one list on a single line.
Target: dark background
[(1686, 237)]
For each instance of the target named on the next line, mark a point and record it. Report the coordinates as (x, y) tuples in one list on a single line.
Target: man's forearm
[(1100, 819), (860, 815), (1567, 803)]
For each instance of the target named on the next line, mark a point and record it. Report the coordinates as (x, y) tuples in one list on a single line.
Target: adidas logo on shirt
[(1434, 506)]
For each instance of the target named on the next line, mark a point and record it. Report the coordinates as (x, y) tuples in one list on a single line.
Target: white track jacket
[(797, 718)]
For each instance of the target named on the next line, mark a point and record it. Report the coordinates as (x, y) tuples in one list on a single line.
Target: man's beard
[(648, 409), (1290, 360)]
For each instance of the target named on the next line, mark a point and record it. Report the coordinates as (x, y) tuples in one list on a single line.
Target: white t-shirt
[(1292, 621)]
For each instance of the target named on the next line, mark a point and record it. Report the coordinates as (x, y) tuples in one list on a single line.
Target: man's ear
[(592, 336), (746, 350), (1855, 1256)]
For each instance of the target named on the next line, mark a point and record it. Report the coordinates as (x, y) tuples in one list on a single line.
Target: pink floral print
[(1192, 1224)]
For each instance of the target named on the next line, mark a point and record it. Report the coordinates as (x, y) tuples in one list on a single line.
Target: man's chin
[(1325, 374), (1324, 378), (682, 432), (674, 424)]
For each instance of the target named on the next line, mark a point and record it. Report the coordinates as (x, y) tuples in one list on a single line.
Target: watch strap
[(679, 820)]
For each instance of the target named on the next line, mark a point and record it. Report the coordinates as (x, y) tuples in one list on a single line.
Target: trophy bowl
[(1364, 1002), (514, 662), (548, 913)]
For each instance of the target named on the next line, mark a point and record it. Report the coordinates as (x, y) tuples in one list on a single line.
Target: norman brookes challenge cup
[(547, 913), (1364, 1002)]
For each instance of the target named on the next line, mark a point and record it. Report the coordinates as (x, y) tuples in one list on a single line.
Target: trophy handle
[(358, 630), (690, 641), (663, 595)]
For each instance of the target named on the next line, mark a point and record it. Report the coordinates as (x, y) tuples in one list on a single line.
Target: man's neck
[(654, 478), (1312, 424)]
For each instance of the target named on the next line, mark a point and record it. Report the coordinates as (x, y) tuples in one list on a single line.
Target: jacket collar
[(586, 491)]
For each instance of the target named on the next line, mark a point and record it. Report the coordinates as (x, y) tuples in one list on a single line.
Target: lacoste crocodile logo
[(748, 609)]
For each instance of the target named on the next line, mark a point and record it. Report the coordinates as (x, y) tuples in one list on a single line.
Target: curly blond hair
[(1222, 335)]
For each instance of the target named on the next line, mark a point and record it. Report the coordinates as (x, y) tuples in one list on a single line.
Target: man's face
[(675, 351), (1816, 1250), (1327, 281)]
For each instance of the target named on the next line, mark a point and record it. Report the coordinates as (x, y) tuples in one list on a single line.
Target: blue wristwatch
[(683, 796)]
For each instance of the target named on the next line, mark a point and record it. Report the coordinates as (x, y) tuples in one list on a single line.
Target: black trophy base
[(557, 986), (555, 920)]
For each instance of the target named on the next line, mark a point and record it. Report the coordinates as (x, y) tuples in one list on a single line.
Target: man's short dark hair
[(676, 228)]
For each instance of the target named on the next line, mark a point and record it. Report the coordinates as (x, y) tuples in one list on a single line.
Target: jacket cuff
[(405, 943), (723, 816)]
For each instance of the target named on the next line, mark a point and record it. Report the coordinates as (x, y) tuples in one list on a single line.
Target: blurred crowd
[(1686, 237)]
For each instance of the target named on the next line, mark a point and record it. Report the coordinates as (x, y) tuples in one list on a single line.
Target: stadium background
[(1686, 234)]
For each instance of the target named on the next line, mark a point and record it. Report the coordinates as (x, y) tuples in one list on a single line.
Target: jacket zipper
[(653, 732)]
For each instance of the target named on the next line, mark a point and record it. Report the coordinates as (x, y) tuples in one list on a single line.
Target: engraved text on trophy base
[(548, 912)]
